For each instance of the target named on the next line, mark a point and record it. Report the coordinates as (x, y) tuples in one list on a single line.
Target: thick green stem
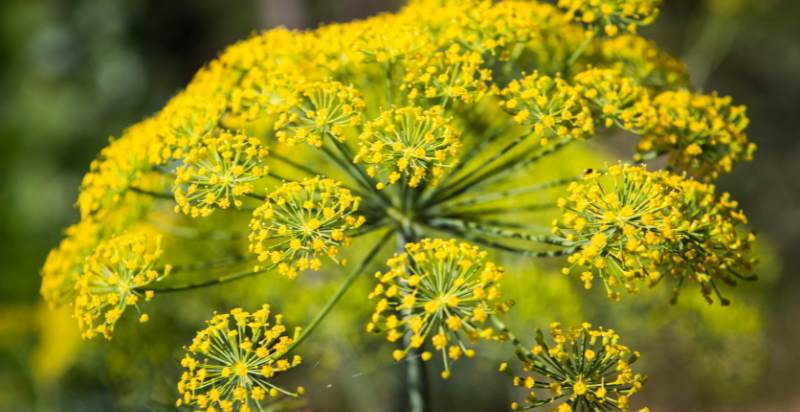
[(348, 281), (416, 378)]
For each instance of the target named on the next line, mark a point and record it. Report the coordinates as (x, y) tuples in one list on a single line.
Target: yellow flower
[(408, 143), (217, 173), (611, 16), (456, 292), (579, 368), (114, 277), (637, 225), (318, 110), (702, 134), (231, 363), (550, 106), (300, 222)]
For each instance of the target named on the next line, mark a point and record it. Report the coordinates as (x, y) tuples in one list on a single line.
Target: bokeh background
[(73, 73)]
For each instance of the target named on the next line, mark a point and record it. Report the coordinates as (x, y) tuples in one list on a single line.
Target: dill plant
[(424, 126)]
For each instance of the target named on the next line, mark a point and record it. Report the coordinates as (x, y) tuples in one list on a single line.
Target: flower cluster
[(301, 221), (64, 264), (553, 108), (114, 277), (632, 226), (582, 369), (442, 291), (408, 143), (230, 364), (615, 98), (641, 59), (217, 173), (317, 110), (703, 134), (612, 15)]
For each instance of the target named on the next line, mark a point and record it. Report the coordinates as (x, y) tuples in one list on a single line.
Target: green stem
[(579, 51), (222, 279), (348, 281)]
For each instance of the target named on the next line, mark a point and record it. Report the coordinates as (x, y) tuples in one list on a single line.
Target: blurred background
[(73, 73)]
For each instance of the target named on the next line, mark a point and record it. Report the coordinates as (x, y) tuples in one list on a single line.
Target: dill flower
[(451, 75), (408, 143), (217, 173), (580, 369), (64, 263), (301, 221), (442, 291), (231, 363), (317, 110), (703, 134), (612, 15), (631, 226), (115, 277), (616, 98), (644, 61), (550, 106)]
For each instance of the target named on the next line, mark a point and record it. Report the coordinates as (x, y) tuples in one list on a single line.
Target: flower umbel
[(408, 143), (114, 277), (217, 173), (703, 134), (550, 106), (633, 226), (612, 15), (231, 363), (301, 221), (439, 290), (318, 110), (580, 369)]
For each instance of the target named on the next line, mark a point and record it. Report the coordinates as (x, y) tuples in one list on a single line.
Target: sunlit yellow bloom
[(440, 292), (115, 277), (702, 134), (300, 222), (631, 226), (611, 16), (550, 106), (217, 173), (231, 364), (408, 143), (578, 369), (318, 110)]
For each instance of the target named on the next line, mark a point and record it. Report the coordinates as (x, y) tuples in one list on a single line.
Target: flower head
[(631, 226), (703, 134), (579, 369), (408, 143), (454, 74), (612, 15), (550, 106), (217, 172), (231, 363), (318, 110), (301, 221), (114, 277), (616, 98), (641, 59), (439, 291), (64, 264)]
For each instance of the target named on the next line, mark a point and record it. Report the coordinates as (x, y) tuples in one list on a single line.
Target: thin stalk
[(503, 194), (216, 281), (488, 229), (348, 281), (466, 178)]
